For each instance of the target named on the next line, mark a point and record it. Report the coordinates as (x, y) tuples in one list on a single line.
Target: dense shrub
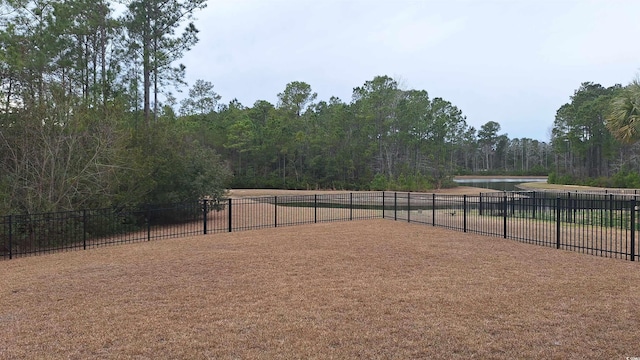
[(624, 178)]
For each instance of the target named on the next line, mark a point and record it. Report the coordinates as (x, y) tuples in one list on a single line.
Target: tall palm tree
[(624, 118)]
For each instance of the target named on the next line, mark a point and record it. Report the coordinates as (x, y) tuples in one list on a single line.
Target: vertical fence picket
[(633, 229), (558, 204), (350, 206), (433, 209), (395, 206), (408, 207), (464, 213), (504, 216), (229, 216), (611, 210), (513, 203), (383, 205), (205, 215), (535, 206)]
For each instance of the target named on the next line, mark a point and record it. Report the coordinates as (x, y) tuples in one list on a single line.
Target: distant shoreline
[(480, 177)]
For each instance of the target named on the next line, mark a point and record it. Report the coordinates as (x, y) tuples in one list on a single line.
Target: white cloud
[(409, 33), (594, 33)]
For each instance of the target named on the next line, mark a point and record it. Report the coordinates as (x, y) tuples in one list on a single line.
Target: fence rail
[(598, 224)]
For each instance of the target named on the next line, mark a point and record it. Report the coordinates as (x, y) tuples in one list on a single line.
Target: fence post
[(535, 205), (229, 216), (504, 216), (611, 210), (633, 229), (408, 207), (568, 207), (205, 213), (464, 213), (84, 229), (315, 208), (383, 204), (433, 209), (480, 205), (350, 206), (148, 224), (395, 206), (513, 203), (10, 237), (558, 222), (275, 211)]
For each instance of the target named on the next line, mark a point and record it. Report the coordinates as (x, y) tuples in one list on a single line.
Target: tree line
[(80, 118), (384, 138), (87, 119), (595, 137), (392, 138)]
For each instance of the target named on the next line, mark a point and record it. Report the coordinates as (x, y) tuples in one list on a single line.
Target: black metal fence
[(24, 235), (598, 224)]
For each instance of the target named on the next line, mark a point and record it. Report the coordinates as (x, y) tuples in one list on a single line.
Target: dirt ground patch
[(363, 289)]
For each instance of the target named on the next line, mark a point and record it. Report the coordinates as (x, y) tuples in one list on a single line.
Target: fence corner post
[(315, 208), (408, 207), (205, 214), (433, 209), (229, 215), (504, 215), (275, 211), (383, 204), (464, 213), (633, 229), (558, 222)]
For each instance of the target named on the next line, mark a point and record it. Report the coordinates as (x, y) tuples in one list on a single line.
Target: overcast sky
[(514, 62)]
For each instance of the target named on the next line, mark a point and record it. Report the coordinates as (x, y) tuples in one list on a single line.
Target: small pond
[(497, 183)]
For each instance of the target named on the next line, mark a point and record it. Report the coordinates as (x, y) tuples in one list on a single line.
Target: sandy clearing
[(239, 193)]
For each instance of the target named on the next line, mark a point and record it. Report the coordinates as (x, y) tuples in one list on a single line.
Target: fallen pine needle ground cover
[(374, 289)]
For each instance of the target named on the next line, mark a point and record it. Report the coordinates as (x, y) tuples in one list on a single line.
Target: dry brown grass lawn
[(365, 289)]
